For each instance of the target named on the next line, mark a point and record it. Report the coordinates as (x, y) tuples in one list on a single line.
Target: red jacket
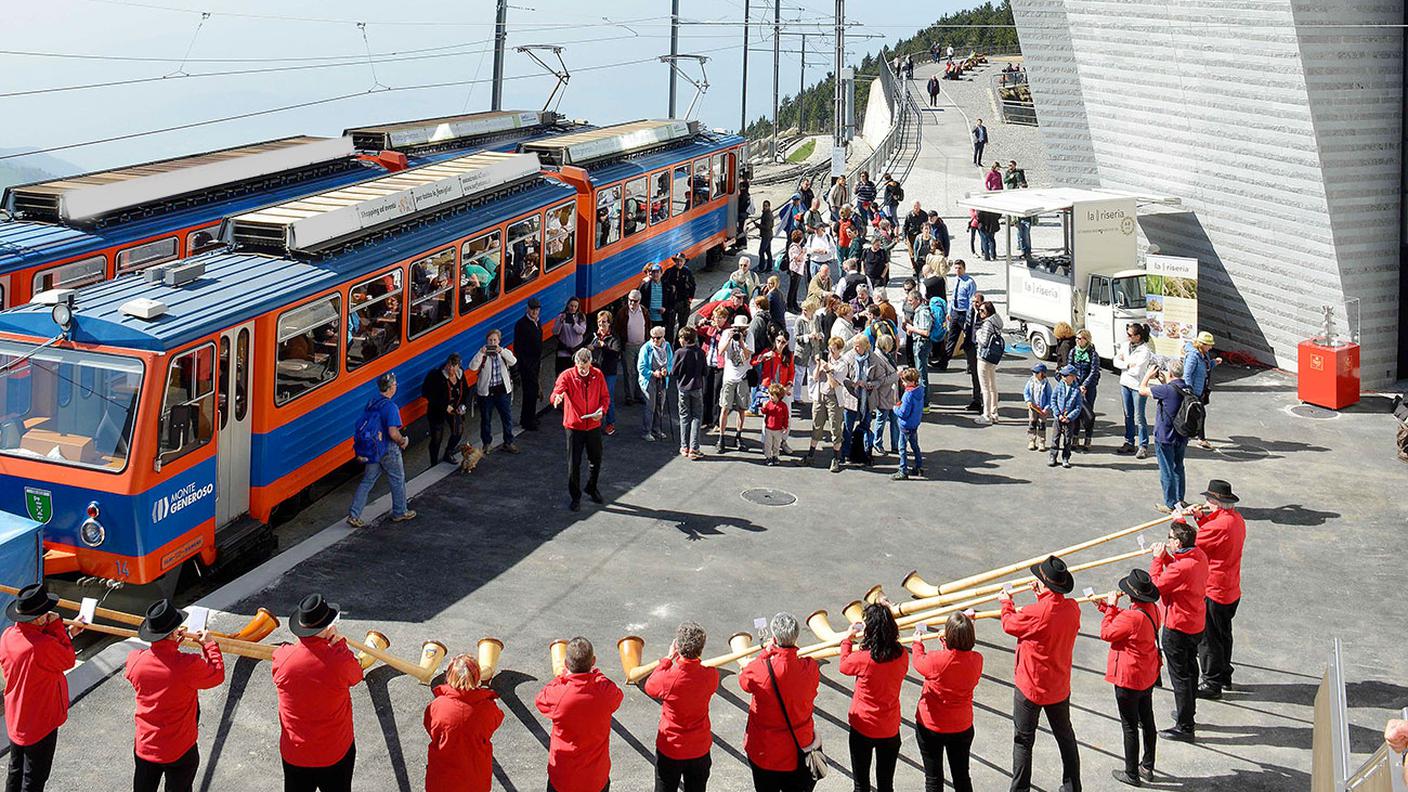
[(775, 415), (1182, 582), (461, 725), (33, 660), (776, 369), (766, 739), (683, 688), (1221, 535), (1134, 648), (168, 684), (585, 395), (875, 705), (313, 678), (580, 707), (1046, 638), (946, 703)]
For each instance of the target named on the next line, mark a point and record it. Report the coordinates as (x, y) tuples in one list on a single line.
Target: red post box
[(1328, 373)]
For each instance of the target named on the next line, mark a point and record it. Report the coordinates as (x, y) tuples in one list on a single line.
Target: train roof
[(616, 170), (412, 135), (237, 286)]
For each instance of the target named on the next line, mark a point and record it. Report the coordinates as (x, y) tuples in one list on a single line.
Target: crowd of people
[(1182, 605)]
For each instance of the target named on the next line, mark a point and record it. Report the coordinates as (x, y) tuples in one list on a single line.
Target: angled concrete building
[(1278, 122)]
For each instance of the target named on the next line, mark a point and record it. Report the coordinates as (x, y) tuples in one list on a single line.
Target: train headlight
[(92, 532), (92, 510)]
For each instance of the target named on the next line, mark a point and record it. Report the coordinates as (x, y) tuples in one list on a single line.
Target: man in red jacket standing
[(461, 722), (168, 684), (580, 704), (1046, 638), (314, 678), (1180, 570), (34, 654), (1133, 668), (774, 736), (1221, 534), (582, 394), (684, 687)]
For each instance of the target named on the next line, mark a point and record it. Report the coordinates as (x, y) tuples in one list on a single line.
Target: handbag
[(812, 757)]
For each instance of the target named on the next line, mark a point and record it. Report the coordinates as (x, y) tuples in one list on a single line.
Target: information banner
[(1172, 303)]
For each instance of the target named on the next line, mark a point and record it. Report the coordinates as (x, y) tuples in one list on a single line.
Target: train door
[(232, 454), (5, 291)]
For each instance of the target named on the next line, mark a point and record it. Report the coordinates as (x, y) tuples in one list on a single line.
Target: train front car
[(648, 190)]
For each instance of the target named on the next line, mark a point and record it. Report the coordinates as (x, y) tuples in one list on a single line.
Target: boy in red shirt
[(776, 415), (579, 703), (683, 686)]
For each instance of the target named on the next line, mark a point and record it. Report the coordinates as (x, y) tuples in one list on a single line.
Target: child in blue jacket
[(1066, 410), (910, 414), (1037, 394)]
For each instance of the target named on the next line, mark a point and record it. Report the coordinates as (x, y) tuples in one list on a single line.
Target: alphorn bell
[(377, 640), (630, 649), (406, 667), (259, 627), (854, 612), (874, 595), (431, 654), (741, 642), (557, 650), (490, 649), (820, 625)]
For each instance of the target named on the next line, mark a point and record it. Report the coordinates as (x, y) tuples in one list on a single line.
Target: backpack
[(899, 194), (1191, 414), (994, 349), (883, 327), (938, 307), (369, 435)]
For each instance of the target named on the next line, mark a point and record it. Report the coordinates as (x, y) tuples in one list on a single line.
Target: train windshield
[(68, 406)]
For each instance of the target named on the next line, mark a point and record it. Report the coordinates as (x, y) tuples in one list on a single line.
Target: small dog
[(469, 457)]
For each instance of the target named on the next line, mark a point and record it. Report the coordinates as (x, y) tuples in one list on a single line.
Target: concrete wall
[(1283, 136), (879, 114)]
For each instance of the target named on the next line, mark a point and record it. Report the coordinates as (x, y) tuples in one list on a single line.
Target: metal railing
[(904, 133)]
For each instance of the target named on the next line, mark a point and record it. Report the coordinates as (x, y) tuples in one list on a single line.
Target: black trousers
[(978, 153), (948, 348), (1215, 651), (455, 425), (579, 440), (30, 764), (1024, 720), (932, 747), (606, 788), (180, 775), (333, 778), (887, 754), (694, 773), (1181, 657), (795, 283), (799, 780), (711, 395), (1087, 413), (1136, 709), (528, 389)]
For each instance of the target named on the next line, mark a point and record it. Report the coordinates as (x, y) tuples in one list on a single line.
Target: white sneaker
[(983, 419)]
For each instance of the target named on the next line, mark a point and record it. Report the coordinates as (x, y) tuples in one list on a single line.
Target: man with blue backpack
[(377, 442)]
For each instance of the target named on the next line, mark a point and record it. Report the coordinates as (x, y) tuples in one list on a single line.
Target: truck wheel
[(1039, 346)]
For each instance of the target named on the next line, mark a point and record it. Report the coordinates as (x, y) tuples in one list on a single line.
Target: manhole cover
[(769, 497), (1312, 412)]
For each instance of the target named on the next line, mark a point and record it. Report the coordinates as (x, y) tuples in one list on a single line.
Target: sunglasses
[(634, 300)]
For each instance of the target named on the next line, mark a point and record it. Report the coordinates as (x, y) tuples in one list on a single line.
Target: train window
[(145, 255), (560, 236), (681, 190), (90, 432), (201, 241), (480, 260), (633, 218), (524, 252), (188, 411), (374, 319), (608, 216), (720, 176), (222, 402), (309, 348), (700, 182), (242, 374), (731, 170), (432, 291), (71, 275), (660, 197)]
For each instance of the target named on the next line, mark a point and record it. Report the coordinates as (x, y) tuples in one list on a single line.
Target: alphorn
[(378, 640), (256, 625), (1000, 572), (489, 651), (253, 651), (630, 648), (915, 605), (432, 653), (557, 651), (422, 673)]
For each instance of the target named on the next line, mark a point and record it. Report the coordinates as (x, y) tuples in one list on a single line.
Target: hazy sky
[(402, 37)]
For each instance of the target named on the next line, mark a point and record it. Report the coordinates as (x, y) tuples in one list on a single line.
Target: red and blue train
[(151, 422)]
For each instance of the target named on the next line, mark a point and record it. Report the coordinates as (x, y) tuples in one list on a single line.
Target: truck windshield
[(1129, 292), (68, 406)]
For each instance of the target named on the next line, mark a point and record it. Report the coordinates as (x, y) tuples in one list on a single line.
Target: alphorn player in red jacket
[(579, 703), (775, 737), (168, 682), (34, 654), (684, 687), (1133, 668), (314, 678), (1180, 570), (1046, 638), (461, 721), (1221, 534)]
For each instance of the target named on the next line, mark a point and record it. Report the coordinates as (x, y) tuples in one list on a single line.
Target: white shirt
[(735, 370), (1133, 364)]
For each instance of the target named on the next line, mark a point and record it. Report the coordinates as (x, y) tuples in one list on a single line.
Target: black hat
[(32, 602), (163, 618), (1052, 572), (313, 616), (533, 303), (1220, 490), (1139, 586)]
